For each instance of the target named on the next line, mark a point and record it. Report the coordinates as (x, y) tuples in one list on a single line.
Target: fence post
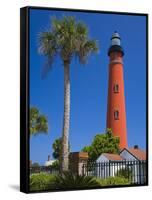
[(140, 172), (109, 168), (83, 169)]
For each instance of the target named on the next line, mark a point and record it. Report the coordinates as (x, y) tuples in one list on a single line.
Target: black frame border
[(25, 94)]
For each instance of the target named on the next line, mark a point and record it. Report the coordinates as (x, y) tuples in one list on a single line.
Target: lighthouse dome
[(115, 34), (115, 40), (115, 44)]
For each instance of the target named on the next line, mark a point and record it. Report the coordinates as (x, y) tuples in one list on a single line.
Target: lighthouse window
[(116, 114), (116, 88)]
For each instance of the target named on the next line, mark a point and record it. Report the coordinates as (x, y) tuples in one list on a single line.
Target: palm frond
[(81, 30), (87, 48), (70, 180), (47, 47), (38, 122), (66, 38), (47, 66)]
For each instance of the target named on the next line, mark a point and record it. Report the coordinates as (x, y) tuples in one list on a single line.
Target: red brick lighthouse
[(116, 112)]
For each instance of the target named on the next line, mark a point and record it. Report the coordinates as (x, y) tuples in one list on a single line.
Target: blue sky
[(89, 83)]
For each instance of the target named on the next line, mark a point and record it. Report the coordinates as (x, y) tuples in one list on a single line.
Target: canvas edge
[(24, 102), (24, 95)]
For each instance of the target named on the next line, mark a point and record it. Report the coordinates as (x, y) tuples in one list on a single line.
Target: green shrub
[(110, 181), (55, 165), (41, 181), (126, 173), (68, 180)]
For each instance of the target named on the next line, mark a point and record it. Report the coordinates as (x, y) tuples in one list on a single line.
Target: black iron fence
[(134, 171), (43, 169)]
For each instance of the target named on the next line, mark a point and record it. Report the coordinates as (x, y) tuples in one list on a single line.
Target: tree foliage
[(66, 38), (38, 122), (102, 143), (55, 165), (36, 164), (57, 148)]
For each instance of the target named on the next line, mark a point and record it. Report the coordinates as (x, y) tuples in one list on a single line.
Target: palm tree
[(38, 122), (66, 38)]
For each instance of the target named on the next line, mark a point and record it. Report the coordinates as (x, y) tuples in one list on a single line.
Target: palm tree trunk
[(66, 119)]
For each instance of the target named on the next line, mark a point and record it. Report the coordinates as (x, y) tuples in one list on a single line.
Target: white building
[(49, 162), (131, 159), (135, 154), (107, 165)]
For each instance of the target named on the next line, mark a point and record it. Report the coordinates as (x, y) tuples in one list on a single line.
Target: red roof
[(138, 153), (113, 157)]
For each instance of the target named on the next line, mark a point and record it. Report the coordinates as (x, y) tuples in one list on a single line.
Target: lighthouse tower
[(116, 112)]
